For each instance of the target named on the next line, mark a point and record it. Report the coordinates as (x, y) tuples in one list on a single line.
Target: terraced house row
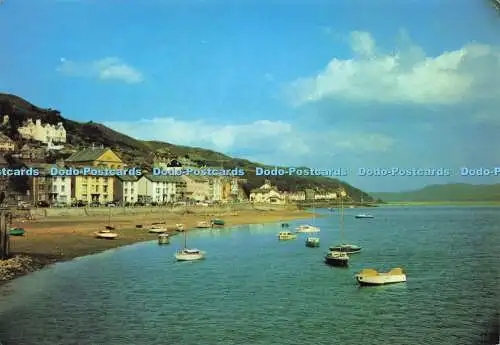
[(126, 189)]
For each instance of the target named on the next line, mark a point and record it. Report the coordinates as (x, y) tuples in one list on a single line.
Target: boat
[(344, 247), (308, 229), (138, 226), (363, 215), (371, 277), (186, 254), (189, 254), (163, 238), (179, 227), (106, 234), (286, 235), (312, 242), (16, 232), (203, 225), (331, 209), (157, 229), (218, 222), (337, 259)]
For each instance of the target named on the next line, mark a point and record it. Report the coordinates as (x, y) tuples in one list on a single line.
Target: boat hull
[(363, 217), (312, 243), (380, 280), (106, 236), (189, 257), (337, 262), (157, 231), (346, 249)]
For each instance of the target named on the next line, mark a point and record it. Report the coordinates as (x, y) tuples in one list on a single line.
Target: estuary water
[(253, 289)]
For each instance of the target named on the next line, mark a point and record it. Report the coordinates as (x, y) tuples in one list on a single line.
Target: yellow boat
[(286, 235), (372, 277)]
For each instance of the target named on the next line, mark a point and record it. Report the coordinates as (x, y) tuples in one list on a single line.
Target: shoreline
[(52, 240)]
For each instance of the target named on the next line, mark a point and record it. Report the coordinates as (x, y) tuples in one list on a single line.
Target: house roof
[(162, 178), (264, 190), (124, 178), (87, 155), (197, 178)]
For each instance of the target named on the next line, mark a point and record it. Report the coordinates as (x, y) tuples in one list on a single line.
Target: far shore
[(56, 239), (442, 203)]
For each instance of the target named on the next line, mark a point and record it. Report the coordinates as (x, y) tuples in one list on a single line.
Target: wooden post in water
[(4, 235)]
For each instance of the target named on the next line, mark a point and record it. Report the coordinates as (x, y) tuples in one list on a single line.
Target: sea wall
[(101, 211)]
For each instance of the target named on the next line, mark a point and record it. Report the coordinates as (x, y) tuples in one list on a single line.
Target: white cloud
[(109, 68), (274, 141), (406, 75)]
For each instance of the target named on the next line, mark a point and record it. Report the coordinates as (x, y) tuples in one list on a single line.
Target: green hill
[(141, 153), (445, 192)]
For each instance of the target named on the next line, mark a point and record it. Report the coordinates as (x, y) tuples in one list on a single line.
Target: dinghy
[(372, 277)]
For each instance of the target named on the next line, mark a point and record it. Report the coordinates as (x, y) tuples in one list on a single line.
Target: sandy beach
[(53, 239)]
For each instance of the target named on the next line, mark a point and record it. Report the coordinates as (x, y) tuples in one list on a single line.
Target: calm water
[(253, 289)]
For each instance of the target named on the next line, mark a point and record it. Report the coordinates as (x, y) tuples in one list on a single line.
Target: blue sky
[(348, 84)]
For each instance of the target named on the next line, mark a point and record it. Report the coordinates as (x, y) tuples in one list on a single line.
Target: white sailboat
[(335, 257), (309, 228), (344, 247), (187, 254)]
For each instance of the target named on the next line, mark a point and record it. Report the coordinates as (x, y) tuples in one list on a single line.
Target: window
[(105, 189), (62, 189)]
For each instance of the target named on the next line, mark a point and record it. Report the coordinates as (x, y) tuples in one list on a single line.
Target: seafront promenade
[(63, 234)]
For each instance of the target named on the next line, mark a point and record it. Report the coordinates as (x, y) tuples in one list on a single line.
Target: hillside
[(446, 192), (140, 153)]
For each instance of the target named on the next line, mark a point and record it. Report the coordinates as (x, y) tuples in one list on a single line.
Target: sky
[(324, 84)]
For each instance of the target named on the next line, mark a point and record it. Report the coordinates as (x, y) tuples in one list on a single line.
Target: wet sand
[(56, 239)]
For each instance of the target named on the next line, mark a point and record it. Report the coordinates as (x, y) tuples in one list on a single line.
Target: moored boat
[(338, 259), (346, 248), (16, 232), (105, 234), (371, 277), (189, 254), (179, 227), (312, 242), (186, 254), (363, 215), (308, 229), (163, 238), (203, 225), (286, 235), (218, 222), (157, 229)]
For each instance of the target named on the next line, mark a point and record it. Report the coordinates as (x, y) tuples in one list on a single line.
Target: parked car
[(79, 203), (23, 205), (95, 204), (111, 204), (42, 203)]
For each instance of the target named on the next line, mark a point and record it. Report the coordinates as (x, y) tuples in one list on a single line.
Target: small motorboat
[(203, 225), (346, 248), (338, 259), (312, 242), (371, 277), (218, 222), (16, 232), (179, 227), (157, 229), (307, 229), (286, 235), (163, 238), (363, 215), (106, 234), (189, 254)]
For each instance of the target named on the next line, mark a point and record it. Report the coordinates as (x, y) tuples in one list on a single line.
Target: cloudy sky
[(352, 84)]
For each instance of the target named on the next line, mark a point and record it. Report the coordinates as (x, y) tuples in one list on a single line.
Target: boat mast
[(185, 239)]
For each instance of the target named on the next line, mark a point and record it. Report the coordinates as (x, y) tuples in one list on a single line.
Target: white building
[(325, 196), (267, 194), (159, 189), (296, 196), (126, 189), (43, 132), (61, 189)]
